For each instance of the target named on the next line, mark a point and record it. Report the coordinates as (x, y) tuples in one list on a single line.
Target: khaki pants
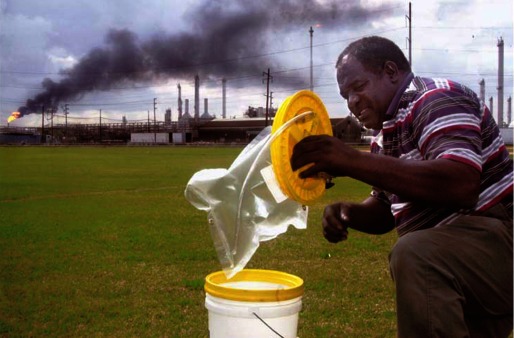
[(455, 280)]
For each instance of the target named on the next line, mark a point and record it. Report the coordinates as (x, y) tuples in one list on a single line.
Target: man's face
[(368, 94)]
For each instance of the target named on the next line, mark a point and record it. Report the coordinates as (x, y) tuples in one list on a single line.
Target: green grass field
[(99, 241)]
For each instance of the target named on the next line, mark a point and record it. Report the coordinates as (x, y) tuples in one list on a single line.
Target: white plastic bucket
[(253, 304)]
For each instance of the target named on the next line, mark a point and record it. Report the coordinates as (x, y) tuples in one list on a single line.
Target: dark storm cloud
[(218, 44)]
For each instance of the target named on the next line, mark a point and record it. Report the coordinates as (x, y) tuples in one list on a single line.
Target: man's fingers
[(335, 235), (333, 229), (304, 151), (309, 172)]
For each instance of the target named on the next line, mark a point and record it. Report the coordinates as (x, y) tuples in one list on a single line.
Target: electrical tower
[(268, 78), (409, 39), (154, 125)]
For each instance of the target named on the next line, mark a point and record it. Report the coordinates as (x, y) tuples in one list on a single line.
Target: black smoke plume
[(218, 45)]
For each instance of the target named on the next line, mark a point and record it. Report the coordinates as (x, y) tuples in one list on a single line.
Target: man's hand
[(327, 154), (372, 216), (335, 223)]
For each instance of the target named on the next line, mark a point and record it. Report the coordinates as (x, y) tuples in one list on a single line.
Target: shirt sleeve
[(447, 125)]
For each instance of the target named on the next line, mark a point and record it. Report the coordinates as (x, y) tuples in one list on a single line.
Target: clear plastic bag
[(244, 202)]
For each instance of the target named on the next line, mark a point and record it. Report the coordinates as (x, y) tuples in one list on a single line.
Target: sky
[(112, 58)]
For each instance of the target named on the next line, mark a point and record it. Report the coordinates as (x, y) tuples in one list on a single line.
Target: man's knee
[(410, 251)]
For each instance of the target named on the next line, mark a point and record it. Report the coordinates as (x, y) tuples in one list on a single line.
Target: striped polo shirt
[(438, 118)]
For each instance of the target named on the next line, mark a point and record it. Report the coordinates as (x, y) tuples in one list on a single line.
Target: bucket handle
[(269, 327)]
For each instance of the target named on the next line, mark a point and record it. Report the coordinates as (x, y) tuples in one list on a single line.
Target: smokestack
[(179, 101), (197, 97), (224, 103), (491, 108), (167, 116), (205, 106), (187, 107), (312, 83), (509, 110), (482, 90), (500, 82)]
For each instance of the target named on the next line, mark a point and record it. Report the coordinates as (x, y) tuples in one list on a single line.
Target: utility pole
[(409, 17), (43, 124), (311, 31), (268, 78), (271, 103), (224, 97), (66, 119), (52, 123), (154, 126), (100, 126)]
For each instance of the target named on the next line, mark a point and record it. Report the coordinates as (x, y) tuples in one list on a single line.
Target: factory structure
[(185, 131), (193, 127), (189, 128)]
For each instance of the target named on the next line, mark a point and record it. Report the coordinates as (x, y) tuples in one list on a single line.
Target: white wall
[(507, 135), (179, 138), (150, 137)]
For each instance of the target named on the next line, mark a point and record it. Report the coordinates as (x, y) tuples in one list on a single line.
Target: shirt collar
[(391, 110)]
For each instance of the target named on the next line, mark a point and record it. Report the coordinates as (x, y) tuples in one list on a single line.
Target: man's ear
[(391, 70)]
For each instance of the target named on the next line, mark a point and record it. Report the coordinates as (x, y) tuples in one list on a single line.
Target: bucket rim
[(293, 286)]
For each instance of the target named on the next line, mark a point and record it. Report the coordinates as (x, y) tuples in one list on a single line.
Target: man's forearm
[(435, 182)]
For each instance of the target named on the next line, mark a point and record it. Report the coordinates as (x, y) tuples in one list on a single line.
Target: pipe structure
[(224, 94), (500, 82)]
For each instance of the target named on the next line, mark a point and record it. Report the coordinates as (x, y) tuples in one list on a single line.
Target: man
[(441, 176)]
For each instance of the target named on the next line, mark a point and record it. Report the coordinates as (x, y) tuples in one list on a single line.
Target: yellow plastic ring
[(301, 190), (291, 286)]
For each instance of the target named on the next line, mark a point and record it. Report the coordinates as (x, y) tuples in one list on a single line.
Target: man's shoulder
[(424, 90), (422, 85)]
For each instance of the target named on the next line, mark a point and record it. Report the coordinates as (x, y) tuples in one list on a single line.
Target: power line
[(447, 50), (463, 27)]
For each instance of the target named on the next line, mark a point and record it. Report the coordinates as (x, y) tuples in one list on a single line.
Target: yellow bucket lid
[(288, 286), (301, 190)]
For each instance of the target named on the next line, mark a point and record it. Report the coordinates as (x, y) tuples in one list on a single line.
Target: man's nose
[(353, 101)]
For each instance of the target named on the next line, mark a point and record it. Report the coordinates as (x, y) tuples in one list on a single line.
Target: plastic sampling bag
[(245, 204)]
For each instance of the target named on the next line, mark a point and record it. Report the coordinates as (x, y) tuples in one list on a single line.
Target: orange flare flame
[(15, 115)]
